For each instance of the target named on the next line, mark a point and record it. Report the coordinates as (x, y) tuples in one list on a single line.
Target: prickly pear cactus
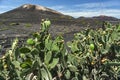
[(91, 55)]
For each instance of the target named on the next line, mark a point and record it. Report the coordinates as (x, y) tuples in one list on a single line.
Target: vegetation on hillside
[(91, 55)]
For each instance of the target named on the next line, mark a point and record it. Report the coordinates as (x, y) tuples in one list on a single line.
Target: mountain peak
[(38, 8)]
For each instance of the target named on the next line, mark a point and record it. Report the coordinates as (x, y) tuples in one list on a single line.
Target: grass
[(3, 29), (28, 25), (12, 24)]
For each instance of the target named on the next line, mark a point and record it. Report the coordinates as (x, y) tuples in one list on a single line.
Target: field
[(90, 54)]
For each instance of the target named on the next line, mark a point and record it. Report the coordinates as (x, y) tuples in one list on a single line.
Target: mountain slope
[(106, 18), (32, 13)]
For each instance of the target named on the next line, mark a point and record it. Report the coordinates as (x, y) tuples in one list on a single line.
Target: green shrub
[(13, 24), (28, 25), (4, 28)]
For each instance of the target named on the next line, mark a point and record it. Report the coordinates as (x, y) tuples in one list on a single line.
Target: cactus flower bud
[(30, 42), (92, 47)]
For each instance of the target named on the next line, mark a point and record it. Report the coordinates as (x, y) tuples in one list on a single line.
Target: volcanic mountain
[(32, 13), (101, 18), (106, 18)]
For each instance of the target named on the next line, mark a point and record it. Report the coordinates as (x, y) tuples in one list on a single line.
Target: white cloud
[(108, 12), (87, 5), (83, 13), (104, 4), (1, 12), (57, 7), (91, 9), (108, 8)]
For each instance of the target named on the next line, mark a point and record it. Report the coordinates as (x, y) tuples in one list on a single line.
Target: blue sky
[(75, 8)]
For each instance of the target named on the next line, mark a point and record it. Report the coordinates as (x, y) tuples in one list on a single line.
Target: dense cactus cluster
[(91, 55)]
